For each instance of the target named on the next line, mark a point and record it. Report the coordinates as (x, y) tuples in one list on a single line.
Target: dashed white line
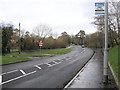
[(56, 62), (9, 72), (40, 64), (68, 58), (83, 51), (23, 72), (17, 78), (49, 65), (38, 67)]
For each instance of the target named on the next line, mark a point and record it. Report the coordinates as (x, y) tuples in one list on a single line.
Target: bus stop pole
[(106, 45)]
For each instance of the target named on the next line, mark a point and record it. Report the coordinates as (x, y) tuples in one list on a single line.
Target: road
[(45, 72)]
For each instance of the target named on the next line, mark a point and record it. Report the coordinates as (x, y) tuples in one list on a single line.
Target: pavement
[(91, 76)]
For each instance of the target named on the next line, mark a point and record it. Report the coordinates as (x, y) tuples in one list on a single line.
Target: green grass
[(14, 50), (11, 59), (114, 59), (24, 56), (57, 51)]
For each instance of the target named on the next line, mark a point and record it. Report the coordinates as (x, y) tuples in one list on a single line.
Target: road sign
[(100, 8), (40, 43)]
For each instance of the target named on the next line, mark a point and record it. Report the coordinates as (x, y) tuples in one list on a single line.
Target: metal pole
[(106, 44), (19, 40), (40, 50)]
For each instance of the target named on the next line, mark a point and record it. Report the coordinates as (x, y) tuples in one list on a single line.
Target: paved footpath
[(92, 75)]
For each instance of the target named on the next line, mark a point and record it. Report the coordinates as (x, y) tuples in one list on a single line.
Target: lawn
[(10, 58), (114, 59)]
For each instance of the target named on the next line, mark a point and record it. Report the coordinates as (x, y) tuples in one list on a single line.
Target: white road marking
[(9, 72), (49, 65), (68, 59), (38, 67), (23, 72), (0, 78), (83, 51), (55, 62), (17, 78), (40, 64)]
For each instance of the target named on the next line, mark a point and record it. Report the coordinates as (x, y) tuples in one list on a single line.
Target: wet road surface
[(47, 72)]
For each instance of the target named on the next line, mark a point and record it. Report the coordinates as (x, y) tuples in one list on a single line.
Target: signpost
[(101, 8), (40, 45)]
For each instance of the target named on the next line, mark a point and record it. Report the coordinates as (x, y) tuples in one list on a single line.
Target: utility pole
[(105, 72), (19, 40)]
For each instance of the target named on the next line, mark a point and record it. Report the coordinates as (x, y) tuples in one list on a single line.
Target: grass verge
[(11, 58), (114, 60)]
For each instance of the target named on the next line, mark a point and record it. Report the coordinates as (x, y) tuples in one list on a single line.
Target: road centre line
[(40, 64), (38, 67), (49, 65), (23, 72), (9, 72), (55, 62), (83, 51), (17, 78)]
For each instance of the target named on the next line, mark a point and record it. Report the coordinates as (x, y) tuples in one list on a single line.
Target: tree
[(49, 43), (15, 38), (81, 35), (42, 31), (113, 24), (29, 42), (7, 32), (0, 40)]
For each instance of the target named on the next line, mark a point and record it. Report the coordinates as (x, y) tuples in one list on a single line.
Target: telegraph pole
[(105, 72), (19, 40)]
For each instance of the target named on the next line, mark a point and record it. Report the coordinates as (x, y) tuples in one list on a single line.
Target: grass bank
[(114, 60), (11, 58)]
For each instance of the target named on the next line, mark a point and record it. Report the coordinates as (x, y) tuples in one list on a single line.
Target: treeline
[(97, 39), (13, 38)]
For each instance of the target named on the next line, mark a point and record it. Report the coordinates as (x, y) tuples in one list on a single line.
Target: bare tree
[(42, 31), (113, 19), (114, 15)]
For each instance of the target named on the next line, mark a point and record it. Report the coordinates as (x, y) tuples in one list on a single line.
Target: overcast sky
[(62, 15)]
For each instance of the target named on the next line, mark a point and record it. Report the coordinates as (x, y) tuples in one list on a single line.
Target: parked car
[(82, 46)]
